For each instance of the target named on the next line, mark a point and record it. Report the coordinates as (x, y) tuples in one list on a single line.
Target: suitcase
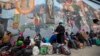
[(65, 50)]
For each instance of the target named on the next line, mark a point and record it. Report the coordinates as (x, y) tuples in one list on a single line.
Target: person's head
[(60, 23), (37, 34), (28, 37), (87, 32), (72, 33), (66, 33), (65, 42), (8, 33), (21, 34), (21, 38)]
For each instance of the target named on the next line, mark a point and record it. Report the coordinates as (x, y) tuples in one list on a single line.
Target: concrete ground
[(87, 51)]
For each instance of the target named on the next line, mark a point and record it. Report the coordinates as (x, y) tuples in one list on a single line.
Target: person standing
[(60, 30)]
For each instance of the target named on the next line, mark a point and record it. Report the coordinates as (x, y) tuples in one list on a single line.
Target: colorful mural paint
[(48, 12)]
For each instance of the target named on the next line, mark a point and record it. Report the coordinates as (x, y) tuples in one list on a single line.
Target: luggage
[(50, 49), (27, 51), (65, 50), (56, 48), (19, 53), (53, 39), (35, 51), (81, 45), (4, 53), (98, 42), (43, 50), (4, 48)]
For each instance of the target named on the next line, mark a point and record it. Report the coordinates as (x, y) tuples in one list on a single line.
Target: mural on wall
[(50, 15), (47, 11), (50, 5), (25, 6)]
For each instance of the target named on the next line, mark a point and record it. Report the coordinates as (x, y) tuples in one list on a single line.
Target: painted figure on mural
[(50, 7), (37, 23), (25, 4)]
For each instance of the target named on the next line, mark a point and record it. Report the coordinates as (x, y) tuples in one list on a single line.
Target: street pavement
[(87, 51)]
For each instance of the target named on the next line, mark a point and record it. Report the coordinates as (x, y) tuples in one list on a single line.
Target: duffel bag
[(65, 50), (98, 42), (35, 51), (43, 50)]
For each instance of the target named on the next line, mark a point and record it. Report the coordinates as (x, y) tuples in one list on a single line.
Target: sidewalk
[(87, 51)]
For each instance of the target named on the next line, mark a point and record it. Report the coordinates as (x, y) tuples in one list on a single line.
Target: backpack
[(65, 50), (44, 50), (98, 42)]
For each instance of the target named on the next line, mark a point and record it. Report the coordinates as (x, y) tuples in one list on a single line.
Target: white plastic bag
[(35, 51)]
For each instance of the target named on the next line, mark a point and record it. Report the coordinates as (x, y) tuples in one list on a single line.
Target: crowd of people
[(59, 42)]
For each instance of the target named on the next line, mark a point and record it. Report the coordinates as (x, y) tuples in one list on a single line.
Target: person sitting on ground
[(6, 38), (80, 40), (37, 39), (53, 38), (86, 37), (72, 40), (27, 41), (20, 42), (1, 42)]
